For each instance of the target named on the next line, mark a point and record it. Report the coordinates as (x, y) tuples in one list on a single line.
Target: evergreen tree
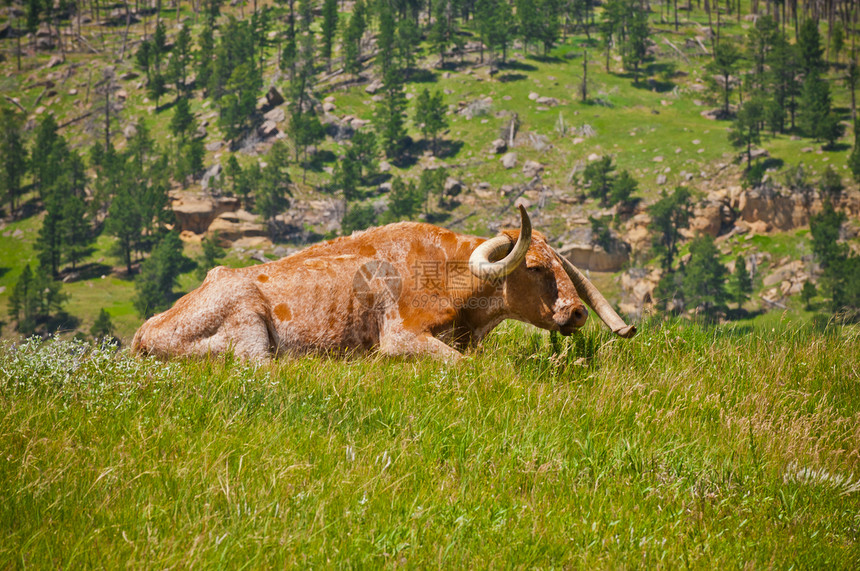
[(760, 42), (817, 119), (182, 121), (404, 201), (669, 216), (124, 223), (102, 328), (364, 152), (353, 32), (830, 185), (501, 30), (212, 253), (740, 284), (239, 105), (807, 293), (306, 130), (346, 177), (156, 88), (177, 70), (390, 119), (35, 296), (432, 182), (704, 278), (386, 42), (783, 68), (840, 266), (408, 44), (622, 188), (598, 176), (47, 144), (329, 29), (158, 276), (205, 56), (809, 44), (746, 127), (357, 217), (430, 115), (725, 64), (13, 158), (273, 188), (797, 179), (442, 30), (636, 44), (854, 158)]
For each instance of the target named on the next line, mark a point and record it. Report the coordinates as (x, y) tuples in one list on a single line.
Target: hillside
[(516, 129)]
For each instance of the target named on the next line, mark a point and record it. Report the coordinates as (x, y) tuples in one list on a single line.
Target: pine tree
[(811, 52), (404, 201), (329, 29), (741, 283), (13, 157), (817, 119), (703, 283), (357, 217), (205, 56), (182, 121), (158, 276), (305, 130), (840, 266), (725, 64), (441, 31), (830, 185), (854, 158), (177, 71), (390, 121), (598, 176), (212, 253), (430, 115), (124, 223), (47, 141), (669, 216), (745, 130), (782, 62), (408, 44), (622, 188), (346, 177), (353, 32), (636, 44), (102, 328), (273, 188)]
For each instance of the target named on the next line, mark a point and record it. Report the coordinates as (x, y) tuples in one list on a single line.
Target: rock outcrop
[(595, 258), (194, 212), (232, 226)]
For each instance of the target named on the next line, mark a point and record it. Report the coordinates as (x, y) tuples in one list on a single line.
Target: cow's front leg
[(409, 344)]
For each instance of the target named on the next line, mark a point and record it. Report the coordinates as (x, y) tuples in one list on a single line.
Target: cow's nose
[(578, 316)]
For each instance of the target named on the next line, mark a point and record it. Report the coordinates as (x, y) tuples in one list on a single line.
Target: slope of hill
[(518, 129)]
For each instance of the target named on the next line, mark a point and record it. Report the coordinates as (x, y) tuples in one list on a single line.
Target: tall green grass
[(686, 447)]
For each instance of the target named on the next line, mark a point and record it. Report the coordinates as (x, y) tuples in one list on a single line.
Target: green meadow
[(727, 447)]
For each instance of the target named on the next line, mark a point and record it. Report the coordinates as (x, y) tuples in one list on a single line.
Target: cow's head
[(541, 287)]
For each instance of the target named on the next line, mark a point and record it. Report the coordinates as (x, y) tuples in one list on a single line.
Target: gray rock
[(509, 160), (532, 169), (213, 172)]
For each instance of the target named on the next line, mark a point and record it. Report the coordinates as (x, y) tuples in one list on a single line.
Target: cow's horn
[(479, 261), (590, 295)]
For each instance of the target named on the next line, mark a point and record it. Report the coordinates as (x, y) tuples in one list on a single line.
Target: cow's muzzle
[(571, 318)]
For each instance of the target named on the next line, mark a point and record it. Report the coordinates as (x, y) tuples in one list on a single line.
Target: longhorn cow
[(402, 289)]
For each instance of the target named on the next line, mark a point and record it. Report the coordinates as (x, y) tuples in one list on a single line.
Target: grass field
[(685, 447)]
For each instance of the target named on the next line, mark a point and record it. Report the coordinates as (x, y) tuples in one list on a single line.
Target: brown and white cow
[(402, 289)]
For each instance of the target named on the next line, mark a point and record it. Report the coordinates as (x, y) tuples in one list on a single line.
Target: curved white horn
[(590, 295), (480, 263)]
